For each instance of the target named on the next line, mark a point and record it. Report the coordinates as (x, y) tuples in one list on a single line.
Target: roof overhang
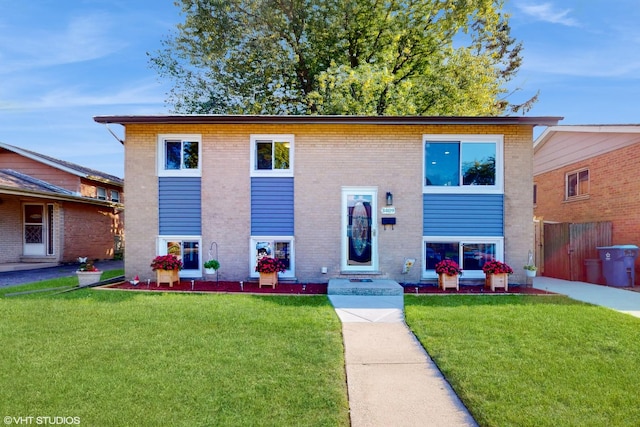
[(375, 120), (612, 128), (59, 166), (11, 191)]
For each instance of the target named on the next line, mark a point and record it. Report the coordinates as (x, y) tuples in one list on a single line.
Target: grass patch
[(533, 361), (123, 358), (51, 286)]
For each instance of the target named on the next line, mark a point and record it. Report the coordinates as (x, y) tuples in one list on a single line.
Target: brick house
[(588, 174), (55, 211), (332, 196)]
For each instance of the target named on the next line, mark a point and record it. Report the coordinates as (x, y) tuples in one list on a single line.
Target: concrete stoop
[(364, 287)]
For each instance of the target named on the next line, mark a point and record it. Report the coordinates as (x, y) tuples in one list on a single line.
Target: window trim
[(290, 138), (161, 249), (291, 272), (468, 274), (498, 188), (98, 196), (577, 172), (161, 154)]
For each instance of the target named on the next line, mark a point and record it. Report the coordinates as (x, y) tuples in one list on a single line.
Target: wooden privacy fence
[(565, 249)]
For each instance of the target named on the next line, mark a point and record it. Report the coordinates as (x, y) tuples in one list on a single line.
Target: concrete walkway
[(391, 380), (619, 299)]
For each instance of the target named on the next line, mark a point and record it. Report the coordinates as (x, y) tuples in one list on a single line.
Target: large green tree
[(370, 57)]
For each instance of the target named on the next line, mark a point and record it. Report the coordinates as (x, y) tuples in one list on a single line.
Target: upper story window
[(115, 196), (271, 155), (463, 164), (101, 193), (179, 155), (577, 184)]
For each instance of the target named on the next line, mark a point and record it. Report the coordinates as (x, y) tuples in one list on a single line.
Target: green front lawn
[(116, 358), (533, 361)]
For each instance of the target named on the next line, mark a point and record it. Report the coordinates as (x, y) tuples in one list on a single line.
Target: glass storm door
[(33, 232), (359, 229)]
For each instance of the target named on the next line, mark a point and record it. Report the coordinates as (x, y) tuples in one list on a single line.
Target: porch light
[(389, 199)]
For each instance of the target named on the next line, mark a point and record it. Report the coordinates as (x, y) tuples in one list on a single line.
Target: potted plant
[(211, 266), (269, 268), (497, 274), (530, 270), (87, 273), (166, 268), (448, 274)]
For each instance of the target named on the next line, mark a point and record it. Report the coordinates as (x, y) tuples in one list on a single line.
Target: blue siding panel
[(179, 206), (272, 206), (463, 215)]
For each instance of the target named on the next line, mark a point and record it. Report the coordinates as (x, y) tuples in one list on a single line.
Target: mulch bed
[(308, 288)]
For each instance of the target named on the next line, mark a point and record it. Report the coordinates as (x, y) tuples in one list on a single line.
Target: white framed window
[(101, 193), (463, 164), (281, 247), (471, 253), (115, 196), (179, 155), (272, 155), (577, 184), (187, 248)]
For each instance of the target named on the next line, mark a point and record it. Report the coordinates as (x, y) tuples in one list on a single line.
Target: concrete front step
[(370, 287)]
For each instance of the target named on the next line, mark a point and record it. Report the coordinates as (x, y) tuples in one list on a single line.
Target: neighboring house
[(332, 196), (589, 174), (56, 211)]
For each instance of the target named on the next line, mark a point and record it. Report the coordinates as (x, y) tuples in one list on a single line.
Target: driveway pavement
[(12, 278)]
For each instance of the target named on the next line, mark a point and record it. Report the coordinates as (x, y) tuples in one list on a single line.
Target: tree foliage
[(366, 57)]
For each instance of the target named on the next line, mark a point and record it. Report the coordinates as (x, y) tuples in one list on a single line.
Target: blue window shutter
[(272, 206), (179, 205), (463, 215)]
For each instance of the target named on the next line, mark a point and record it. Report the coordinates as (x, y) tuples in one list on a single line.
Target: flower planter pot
[(494, 281), (167, 276), (445, 281), (268, 279), (530, 273), (88, 277), (210, 271)]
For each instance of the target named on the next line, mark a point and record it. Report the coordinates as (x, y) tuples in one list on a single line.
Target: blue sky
[(63, 62)]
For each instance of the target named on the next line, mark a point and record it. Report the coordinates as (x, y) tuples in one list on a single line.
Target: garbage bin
[(618, 264), (592, 271)]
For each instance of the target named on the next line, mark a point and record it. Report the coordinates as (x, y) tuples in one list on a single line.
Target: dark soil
[(307, 288)]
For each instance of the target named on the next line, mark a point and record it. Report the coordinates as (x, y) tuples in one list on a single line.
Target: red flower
[(166, 262), (496, 267), (269, 265), (87, 266), (448, 267)]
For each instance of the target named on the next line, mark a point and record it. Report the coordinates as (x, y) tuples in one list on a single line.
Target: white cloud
[(547, 12), (142, 92), (82, 38)]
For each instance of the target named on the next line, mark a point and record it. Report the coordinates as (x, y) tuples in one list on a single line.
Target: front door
[(359, 229), (34, 232)]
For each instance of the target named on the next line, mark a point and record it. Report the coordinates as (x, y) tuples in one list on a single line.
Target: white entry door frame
[(34, 223), (359, 242)]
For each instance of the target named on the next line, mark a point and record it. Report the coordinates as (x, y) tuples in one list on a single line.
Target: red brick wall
[(614, 195), (89, 231)]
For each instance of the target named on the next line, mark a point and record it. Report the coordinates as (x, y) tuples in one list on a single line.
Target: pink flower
[(448, 267), (496, 267), (166, 262), (269, 265)]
